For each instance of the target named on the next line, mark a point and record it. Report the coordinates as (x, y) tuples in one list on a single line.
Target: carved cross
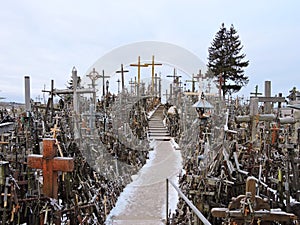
[(50, 166)]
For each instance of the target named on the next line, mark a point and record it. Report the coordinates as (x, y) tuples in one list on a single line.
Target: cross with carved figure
[(50, 164)]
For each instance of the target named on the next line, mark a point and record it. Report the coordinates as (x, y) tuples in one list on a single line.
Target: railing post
[(167, 201)]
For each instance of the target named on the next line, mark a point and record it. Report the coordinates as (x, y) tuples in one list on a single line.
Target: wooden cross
[(122, 71), (139, 65), (103, 83), (152, 65), (193, 83), (256, 93), (175, 76), (50, 166)]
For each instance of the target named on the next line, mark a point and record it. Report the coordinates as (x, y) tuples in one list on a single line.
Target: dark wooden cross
[(239, 209), (103, 83), (153, 64), (256, 93), (122, 71), (175, 77), (50, 164), (193, 83)]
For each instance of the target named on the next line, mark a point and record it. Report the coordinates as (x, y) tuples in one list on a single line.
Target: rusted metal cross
[(50, 166)]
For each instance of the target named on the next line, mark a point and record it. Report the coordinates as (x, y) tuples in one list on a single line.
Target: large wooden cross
[(152, 65), (50, 166), (139, 65), (122, 71)]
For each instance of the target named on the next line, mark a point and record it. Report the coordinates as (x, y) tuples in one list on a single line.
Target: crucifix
[(193, 83), (198, 77), (152, 65), (175, 76), (94, 75), (103, 83), (122, 71), (256, 93), (139, 65), (50, 164)]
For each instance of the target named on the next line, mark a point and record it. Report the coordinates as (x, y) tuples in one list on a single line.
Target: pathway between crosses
[(144, 200)]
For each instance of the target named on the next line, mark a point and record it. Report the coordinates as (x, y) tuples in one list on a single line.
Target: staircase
[(157, 130)]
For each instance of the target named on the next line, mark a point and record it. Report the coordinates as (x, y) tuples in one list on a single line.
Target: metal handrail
[(190, 204)]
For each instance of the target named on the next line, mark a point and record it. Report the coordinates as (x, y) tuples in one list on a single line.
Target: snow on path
[(143, 201)]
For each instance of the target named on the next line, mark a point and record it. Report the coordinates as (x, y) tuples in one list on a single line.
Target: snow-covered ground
[(144, 200)]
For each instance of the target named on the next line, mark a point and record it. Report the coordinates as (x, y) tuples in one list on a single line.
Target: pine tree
[(226, 61)]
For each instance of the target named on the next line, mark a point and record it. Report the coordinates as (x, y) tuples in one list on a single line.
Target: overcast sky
[(45, 39)]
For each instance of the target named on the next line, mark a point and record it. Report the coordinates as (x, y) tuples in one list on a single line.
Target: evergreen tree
[(226, 61)]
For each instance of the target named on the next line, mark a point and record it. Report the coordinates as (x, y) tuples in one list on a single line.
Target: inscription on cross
[(50, 166)]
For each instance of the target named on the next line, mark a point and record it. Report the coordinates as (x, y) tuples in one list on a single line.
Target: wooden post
[(253, 114), (27, 94), (267, 94), (75, 81)]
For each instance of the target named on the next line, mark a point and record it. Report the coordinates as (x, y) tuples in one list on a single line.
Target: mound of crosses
[(247, 208)]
